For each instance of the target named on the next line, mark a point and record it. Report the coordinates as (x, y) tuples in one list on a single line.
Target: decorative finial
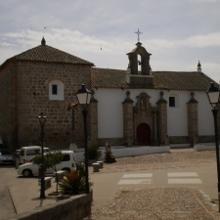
[(192, 98), (43, 42), (199, 67), (128, 94), (138, 34)]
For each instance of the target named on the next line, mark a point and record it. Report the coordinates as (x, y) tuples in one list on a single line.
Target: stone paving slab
[(7, 208), (155, 204)]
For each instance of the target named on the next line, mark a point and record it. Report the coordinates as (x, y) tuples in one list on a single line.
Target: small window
[(66, 157), (172, 101), (54, 90)]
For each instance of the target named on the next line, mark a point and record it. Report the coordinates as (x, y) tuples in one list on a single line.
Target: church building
[(133, 106)]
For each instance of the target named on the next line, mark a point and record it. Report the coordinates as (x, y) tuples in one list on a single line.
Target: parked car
[(68, 163), (27, 153), (1, 143), (6, 157)]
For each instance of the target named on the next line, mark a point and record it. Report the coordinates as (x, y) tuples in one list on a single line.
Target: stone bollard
[(100, 162), (95, 167)]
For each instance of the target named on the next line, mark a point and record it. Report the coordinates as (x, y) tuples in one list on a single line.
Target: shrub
[(50, 161), (74, 182)]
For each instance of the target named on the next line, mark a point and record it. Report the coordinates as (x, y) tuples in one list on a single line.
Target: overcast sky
[(178, 33)]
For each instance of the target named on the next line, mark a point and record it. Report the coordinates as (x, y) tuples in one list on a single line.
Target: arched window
[(139, 63), (56, 90)]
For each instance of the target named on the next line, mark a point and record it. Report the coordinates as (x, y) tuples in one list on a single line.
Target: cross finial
[(138, 34)]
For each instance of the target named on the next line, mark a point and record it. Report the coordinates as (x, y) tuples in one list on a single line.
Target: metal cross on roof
[(138, 34)]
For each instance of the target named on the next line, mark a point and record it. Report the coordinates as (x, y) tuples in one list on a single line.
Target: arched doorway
[(143, 134)]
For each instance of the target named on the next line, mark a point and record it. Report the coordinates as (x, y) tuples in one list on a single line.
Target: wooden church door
[(143, 134)]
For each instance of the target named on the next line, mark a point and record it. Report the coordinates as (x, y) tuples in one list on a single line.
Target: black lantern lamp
[(42, 120), (83, 96), (213, 93)]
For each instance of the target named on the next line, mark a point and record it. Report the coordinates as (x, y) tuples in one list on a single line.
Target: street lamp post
[(83, 97), (42, 120), (71, 107), (214, 99)]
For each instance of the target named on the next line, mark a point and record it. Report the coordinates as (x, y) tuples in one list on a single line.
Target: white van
[(27, 153), (68, 163)]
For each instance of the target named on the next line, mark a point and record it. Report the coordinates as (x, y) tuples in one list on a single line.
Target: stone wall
[(33, 98), (8, 104), (162, 120), (192, 120), (128, 120), (93, 122), (76, 207)]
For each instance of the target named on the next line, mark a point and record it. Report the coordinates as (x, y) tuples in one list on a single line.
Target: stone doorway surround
[(143, 115), (142, 112)]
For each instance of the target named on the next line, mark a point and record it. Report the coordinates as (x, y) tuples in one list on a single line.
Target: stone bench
[(47, 181), (96, 167), (100, 162), (59, 174)]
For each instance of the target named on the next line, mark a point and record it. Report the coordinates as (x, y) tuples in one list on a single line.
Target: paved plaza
[(177, 185)]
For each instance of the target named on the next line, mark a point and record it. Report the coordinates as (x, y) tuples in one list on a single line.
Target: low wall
[(204, 146), (121, 151), (76, 207)]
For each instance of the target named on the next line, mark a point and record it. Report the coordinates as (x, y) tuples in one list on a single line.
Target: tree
[(50, 161)]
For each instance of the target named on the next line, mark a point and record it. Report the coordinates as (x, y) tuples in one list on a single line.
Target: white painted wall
[(177, 116), (110, 112)]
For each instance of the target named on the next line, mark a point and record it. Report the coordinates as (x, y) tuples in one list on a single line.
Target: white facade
[(110, 111)]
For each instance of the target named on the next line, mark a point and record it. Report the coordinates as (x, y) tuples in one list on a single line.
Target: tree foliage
[(50, 159)]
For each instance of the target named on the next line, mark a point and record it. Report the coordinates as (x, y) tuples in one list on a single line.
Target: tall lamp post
[(71, 107), (214, 99), (83, 97), (42, 120)]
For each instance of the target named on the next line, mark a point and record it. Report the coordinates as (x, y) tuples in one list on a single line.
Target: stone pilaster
[(192, 117), (93, 120), (155, 127), (128, 120), (162, 120)]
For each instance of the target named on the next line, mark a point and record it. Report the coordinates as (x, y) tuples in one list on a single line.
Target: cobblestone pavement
[(171, 203), (155, 204)]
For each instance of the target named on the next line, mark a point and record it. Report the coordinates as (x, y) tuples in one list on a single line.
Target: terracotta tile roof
[(170, 80), (108, 78), (45, 53), (181, 80)]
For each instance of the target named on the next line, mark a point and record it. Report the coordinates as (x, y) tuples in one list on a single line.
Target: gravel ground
[(158, 203), (155, 204), (176, 159)]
